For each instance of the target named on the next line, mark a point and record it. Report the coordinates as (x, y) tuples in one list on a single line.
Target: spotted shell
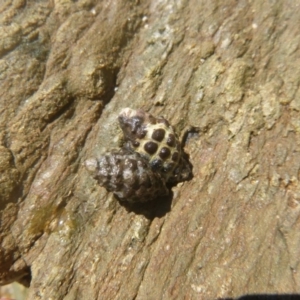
[(156, 140), (128, 175)]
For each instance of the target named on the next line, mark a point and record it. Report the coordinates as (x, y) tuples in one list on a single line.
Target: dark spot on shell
[(156, 164), (171, 141), (141, 133), (175, 156), (164, 153), (135, 143), (158, 134), (150, 147)]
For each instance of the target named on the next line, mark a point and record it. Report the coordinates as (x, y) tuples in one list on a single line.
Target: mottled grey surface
[(229, 68), (128, 175)]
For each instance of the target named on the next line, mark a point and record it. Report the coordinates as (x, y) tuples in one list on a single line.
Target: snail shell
[(151, 158), (128, 175), (156, 140)]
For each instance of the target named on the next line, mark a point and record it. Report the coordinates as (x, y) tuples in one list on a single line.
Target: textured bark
[(230, 68)]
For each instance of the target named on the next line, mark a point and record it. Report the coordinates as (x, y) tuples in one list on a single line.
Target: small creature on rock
[(150, 159)]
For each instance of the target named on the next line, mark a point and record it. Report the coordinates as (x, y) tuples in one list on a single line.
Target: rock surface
[(231, 69)]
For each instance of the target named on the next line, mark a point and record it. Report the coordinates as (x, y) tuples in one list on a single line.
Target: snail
[(150, 160)]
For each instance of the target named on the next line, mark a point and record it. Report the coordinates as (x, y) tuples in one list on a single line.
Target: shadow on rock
[(153, 209)]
